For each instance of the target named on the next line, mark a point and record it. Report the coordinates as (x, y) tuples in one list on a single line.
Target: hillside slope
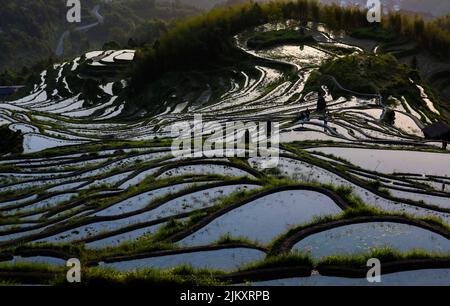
[(35, 30), (347, 176)]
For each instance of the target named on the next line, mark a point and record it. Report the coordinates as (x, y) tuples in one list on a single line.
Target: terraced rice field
[(94, 184)]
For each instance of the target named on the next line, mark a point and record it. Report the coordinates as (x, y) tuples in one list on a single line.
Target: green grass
[(376, 184), (28, 267), (9, 168), (187, 275), (271, 182), (274, 172), (272, 86), (228, 239), (385, 255), (68, 248), (433, 220), (375, 32), (7, 283), (275, 38), (294, 97), (145, 243), (179, 276), (170, 228), (285, 260)]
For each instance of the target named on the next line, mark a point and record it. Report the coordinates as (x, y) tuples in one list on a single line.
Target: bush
[(389, 116), (10, 142)]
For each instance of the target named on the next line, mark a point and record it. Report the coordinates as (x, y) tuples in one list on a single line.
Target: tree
[(274, 12), (131, 43), (91, 91), (414, 62), (111, 45), (419, 26), (389, 116), (10, 142)]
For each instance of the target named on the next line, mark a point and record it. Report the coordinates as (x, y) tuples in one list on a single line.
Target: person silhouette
[(321, 103)]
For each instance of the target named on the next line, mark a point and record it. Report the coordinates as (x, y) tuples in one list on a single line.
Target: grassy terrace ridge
[(275, 38), (293, 259), (147, 185), (276, 264), (94, 147), (273, 267), (385, 255), (374, 186), (159, 240)]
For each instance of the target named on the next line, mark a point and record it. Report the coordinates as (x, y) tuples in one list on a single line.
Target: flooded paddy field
[(97, 182)]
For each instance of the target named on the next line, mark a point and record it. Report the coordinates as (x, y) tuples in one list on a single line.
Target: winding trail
[(100, 19)]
